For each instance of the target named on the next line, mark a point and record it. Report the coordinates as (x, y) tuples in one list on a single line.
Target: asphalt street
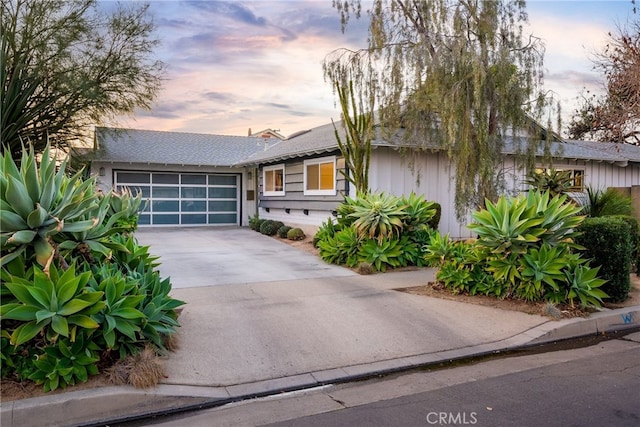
[(593, 386)]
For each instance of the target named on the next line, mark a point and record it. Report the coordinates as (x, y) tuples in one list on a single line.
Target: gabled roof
[(627, 151), (173, 148), (322, 139), (301, 144)]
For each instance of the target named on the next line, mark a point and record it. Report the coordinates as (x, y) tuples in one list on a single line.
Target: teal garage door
[(184, 198)]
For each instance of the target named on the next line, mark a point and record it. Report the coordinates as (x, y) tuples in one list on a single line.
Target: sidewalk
[(246, 340)]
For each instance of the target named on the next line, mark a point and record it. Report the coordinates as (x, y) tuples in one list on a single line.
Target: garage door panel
[(222, 192), (187, 199), (194, 218), (223, 218), (193, 192), (194, 206), (222, 180)]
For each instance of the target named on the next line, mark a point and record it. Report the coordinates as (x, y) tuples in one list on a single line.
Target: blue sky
[(237, 65)]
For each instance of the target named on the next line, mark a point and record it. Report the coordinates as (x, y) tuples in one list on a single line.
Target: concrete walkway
[(262, 317)]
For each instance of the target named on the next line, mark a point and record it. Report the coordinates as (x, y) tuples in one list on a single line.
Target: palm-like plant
[(596, 203)]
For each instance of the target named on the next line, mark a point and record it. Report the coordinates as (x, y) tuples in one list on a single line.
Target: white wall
[(431, 175)]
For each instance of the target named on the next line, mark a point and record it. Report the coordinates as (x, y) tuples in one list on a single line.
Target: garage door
[(185, 198)]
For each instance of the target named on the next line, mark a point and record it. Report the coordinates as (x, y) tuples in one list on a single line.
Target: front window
[(273, 180), (320, 176)]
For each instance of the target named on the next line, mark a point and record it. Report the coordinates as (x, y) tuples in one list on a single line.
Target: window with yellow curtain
[(273, 180), (320, 176)]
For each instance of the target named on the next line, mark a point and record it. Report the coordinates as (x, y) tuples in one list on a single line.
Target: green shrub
[(634, 236), (270, 227), (608, 244), (282, 231), (296, 234), (434, 222), (254, 222)]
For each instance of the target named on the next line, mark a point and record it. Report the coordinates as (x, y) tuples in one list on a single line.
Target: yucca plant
[(37, 202), (596, 203)]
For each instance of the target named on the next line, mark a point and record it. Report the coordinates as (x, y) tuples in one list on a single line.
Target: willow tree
[(457, 75), (67, 65)]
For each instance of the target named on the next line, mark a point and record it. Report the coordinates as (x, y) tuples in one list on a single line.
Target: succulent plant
[(37, 202)]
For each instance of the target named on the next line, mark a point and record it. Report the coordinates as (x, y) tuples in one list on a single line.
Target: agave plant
[(542, 268), (378, 216), (95, 239), (556, 182), (419, 212), (54, 305), (66, 363), (37, 202), (584, 285), (126, 205), (381, 255)]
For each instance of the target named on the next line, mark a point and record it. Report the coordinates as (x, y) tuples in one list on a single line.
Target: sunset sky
[(237, 65)]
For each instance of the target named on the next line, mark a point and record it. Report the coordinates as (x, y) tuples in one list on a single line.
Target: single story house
[(194, 179)]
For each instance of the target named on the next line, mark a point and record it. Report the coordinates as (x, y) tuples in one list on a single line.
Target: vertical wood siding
[(431, 175)]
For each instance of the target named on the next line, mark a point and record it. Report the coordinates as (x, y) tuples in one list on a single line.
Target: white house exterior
[(400, 169), (196, 179)]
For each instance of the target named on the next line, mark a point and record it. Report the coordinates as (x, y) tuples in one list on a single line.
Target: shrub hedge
[(608, 243), (282, 231)]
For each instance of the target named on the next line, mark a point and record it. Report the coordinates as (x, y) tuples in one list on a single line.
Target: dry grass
[(141, 370)]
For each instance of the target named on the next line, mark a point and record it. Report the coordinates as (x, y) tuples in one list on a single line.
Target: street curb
[(120, 403)]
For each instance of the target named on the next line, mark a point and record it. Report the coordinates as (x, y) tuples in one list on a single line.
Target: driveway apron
[(277, 312)]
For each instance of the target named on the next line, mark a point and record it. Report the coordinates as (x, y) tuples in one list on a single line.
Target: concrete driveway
[(195, 257)]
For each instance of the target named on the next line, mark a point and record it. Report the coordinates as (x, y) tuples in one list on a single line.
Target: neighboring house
[(189, 179), (194, 179)]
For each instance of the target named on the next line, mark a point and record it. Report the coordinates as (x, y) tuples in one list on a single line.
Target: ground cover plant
[(78, 292), (380, 230)]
